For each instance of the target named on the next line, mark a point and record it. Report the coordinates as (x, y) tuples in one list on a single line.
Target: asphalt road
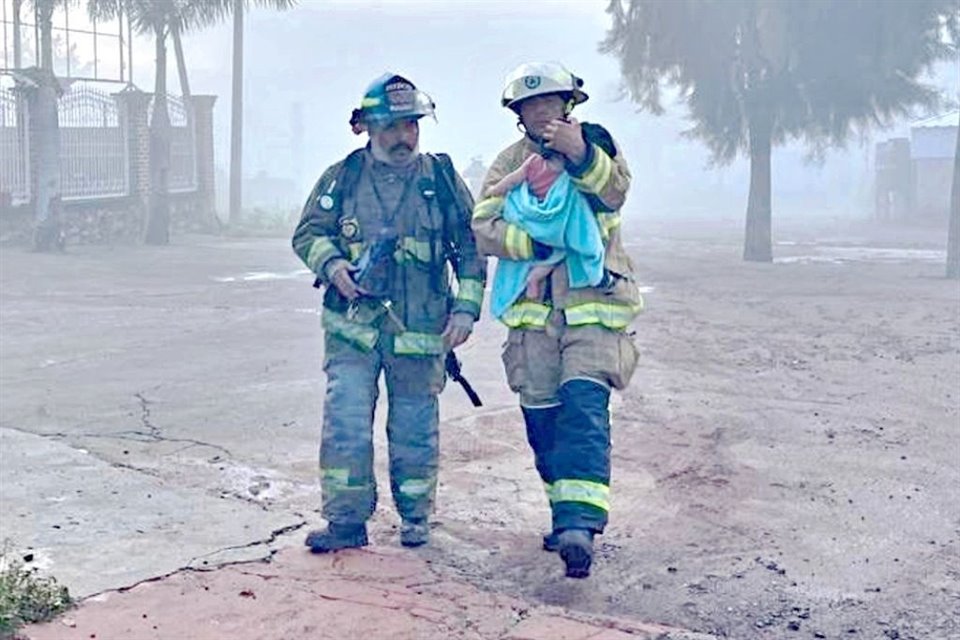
[(785, 463)]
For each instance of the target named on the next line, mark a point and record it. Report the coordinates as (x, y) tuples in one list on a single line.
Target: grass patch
[(25, 595)]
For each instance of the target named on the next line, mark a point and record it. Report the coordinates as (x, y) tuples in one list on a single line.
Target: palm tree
[(238, 8), (953, 230), (17, 53), (160, 18), (47, 132), (45, 10), (215, 11)]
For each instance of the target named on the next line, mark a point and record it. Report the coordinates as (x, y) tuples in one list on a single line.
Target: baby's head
[(541, 174)]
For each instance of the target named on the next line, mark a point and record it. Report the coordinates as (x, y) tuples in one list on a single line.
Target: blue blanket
[(563, 221)]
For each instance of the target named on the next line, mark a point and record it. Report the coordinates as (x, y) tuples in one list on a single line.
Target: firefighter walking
[(567, 347), (381, 231)]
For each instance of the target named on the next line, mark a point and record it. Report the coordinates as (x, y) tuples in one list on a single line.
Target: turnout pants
[(563, 376), (346, 448)]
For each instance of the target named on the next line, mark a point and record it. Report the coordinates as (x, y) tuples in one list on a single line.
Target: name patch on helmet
[(404, 100)]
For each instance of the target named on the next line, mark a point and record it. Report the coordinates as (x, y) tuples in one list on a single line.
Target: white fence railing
[(14, 147)]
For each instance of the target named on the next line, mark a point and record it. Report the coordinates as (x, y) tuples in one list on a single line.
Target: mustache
[(400, 146)]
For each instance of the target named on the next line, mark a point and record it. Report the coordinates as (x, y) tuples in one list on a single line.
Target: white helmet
[(540, 78)]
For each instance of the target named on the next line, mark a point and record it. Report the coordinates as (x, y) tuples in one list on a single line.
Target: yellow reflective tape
[(596, 177), (517, 243), (355, 249), (416, 248), (470, 290), (548, 489), (416, 486), (369, 102), (360, 335), (585, 491), (335, 476), (411, 343), (488, 207), (526, 314), (321, 250), (608, 222), (612, 316)]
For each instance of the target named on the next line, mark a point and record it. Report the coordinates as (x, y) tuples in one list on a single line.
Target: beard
[(387, 155)]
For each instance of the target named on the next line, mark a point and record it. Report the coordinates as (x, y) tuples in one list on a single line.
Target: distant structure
[(914, 175), (474, 175)]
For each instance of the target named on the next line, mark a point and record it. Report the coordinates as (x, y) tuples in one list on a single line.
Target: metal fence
[(14, 147), (183, 159), (93, 148)]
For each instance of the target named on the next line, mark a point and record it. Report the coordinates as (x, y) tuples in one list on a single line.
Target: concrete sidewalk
[(376, 593)]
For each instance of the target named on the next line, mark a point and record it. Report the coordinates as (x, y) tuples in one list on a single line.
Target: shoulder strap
[(347, 177), (596, 134), (444, 177), (445, 181)]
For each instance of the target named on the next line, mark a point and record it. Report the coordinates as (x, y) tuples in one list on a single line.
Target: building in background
[(914, 175)]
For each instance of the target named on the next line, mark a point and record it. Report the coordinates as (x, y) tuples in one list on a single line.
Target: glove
[(339, 274), (458, 329)]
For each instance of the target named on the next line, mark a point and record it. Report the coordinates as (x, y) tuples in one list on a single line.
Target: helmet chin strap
[(541, 146)]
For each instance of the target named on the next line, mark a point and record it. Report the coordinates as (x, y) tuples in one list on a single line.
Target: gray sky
[(323, 55)]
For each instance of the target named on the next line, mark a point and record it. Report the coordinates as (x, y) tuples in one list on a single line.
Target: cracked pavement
[(786, 461)]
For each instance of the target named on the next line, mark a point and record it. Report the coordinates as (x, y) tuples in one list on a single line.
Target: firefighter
[(381, 231), (566, 347)]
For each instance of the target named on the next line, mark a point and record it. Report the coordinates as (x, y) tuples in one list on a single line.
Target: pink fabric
[(540, 176)]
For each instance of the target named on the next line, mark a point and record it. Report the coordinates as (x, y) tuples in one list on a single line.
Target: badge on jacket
[(349, 228)]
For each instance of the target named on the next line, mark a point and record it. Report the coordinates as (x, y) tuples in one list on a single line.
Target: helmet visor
[(394, 105)]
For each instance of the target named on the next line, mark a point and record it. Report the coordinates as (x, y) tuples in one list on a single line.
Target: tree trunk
[(181, 64), (46, 181), (757, 242), (953, 235), (236, 118), (17, 48), (45, 18), (158, 210)]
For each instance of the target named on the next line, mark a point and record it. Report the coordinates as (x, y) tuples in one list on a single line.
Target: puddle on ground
[(260, 276), (843, 255)]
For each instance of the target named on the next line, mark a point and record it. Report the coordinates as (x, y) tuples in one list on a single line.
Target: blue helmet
[(391, 97)]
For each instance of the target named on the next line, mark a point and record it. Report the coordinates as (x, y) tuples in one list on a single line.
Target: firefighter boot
[(414, 532), (336, 537), (540, 423), (576, 549)]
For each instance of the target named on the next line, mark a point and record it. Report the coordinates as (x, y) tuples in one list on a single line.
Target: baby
[(539, 173)]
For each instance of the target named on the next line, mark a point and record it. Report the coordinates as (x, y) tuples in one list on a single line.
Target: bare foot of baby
[(535, 280)]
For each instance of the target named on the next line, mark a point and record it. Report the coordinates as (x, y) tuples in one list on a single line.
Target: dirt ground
[(786, 462)]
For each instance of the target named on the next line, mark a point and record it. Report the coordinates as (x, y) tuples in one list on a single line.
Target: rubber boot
[(541, 425), (336, 537), (576, 550), (414, 533)]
